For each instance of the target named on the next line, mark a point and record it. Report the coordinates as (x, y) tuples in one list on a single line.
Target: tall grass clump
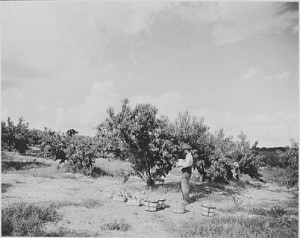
[(120, 225), (219, 227), (22, 219)]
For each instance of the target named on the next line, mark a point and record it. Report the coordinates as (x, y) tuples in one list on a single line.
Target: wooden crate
[(151, 206), (207, 210), (161, 204)]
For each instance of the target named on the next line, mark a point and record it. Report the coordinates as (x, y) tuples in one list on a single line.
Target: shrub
[(23, 219), (15, 137), (116, 225), (78, 152), (238, 227), (289, 160), (275, 211), (287, 177), (5, 187)]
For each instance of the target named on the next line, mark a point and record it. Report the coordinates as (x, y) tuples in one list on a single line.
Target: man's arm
[(187, 162)]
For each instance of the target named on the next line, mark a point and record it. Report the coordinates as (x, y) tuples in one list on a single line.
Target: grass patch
[(116, 225), (275, 211), (88, 203), (289, 208), (14, 162), (113, 167), (98, 172), (64, 232), (5, 187), (49, 172), (7, 166), (167, 187), (218, 227), (282, 176), (22, 219)]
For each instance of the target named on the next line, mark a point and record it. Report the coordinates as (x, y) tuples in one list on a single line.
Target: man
[(186, 169)]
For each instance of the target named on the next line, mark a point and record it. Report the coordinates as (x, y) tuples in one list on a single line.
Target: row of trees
[(15, 136), (152, 144)]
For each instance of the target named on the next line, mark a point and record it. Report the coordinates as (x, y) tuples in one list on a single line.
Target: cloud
[(283, 76), (241, 20), (270, 128), (255, 75), (42, 108), (250, 74), (231, 22), (169, 103), (48, 41), (128, 18), (91, 112), (4, 113)]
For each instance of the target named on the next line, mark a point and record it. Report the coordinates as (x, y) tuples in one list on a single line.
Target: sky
[(63, 63)]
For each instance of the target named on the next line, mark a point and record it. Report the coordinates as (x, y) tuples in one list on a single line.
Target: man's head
[(186, 148)]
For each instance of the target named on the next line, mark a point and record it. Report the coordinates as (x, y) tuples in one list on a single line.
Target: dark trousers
[(185, 185)]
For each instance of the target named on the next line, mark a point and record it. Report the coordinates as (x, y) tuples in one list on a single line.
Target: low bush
[(22, 219), (286, 177), (5, 187), (275, 211), (120, 225), (238, 227)]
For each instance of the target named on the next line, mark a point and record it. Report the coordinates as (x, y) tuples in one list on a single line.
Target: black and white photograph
[(149, 118)]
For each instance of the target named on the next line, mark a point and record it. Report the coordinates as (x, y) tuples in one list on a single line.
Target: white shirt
[(187, 162)]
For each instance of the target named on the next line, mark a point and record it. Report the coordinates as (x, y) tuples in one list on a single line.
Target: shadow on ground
[(98, 172)]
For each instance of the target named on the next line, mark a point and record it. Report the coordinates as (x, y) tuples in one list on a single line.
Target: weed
[(64, 232), (283, 176), (123, 174), (23, 219), (120, 225), (5, 187), (237, 227), (275, 211), (19, 182), (89, 203), (70, 176), (238, 202), (167, 187)]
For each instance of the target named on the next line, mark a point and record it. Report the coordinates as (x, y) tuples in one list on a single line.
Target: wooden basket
[(151, 206), (207, 210), (161, 203), (179, 208)]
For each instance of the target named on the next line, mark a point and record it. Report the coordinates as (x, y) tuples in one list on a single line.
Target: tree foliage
[(289, 161), (290, 157), (145, 138), (77, 151), (215, 155), (15, 136)]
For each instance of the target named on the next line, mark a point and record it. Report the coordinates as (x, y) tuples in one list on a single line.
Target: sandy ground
[(85, 208)]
